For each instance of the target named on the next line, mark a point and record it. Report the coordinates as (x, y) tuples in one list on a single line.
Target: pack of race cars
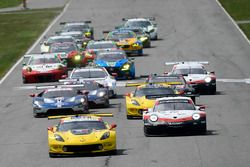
[(84, 73)]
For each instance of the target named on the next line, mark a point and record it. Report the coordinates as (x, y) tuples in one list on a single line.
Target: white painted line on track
[(37, 41), (233, 21)]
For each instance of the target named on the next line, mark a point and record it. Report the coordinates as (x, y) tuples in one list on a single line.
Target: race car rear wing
[(149, 18), (59, 86), (189, 62), (87, 22), (192, 96), (135, 84), (94, 114)]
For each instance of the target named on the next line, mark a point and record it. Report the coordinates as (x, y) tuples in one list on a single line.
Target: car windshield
[(142, 23), (101, 45), (153, 91), (88, 74), (185, 71), (174, 105), (78, 125), (112, 56), (91, 85), (43, 60), (69, 28), (59, 40), (63, 48), (115, 36), (59, 93)]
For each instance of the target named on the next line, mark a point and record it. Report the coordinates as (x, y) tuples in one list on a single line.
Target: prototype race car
[(79, 37), (145, 23), (196, 75), (98, 95), (79, 26), (98, 74), (144, 97), (141, 35), (127, 40), (81, 134), (45, 45), (70, 53), (173, 113), (116, 63), (58, 100), (42, 68)]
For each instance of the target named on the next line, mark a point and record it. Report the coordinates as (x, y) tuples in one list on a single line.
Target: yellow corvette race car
[(127, 40), (81, 134), (144, 97)]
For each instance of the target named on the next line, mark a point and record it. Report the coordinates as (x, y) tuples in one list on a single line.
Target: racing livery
[(56, 100), (116, 63), (196, 75), (144, 97), (81, 134), (42, 68), (127, 40), (172, 113)]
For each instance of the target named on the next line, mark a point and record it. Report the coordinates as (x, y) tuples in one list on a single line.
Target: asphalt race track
[(188, 30)]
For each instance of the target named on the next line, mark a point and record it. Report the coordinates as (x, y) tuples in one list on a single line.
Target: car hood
[(118, 63), (175, 114), (128, 41), (195, 77), (45, 67)]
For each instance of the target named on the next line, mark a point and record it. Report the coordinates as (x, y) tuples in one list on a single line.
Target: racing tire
[(213, 90), (129, 117), (106, 104), (140, 52), (148, 131), (53, 155), (24, 80), (202, 129)]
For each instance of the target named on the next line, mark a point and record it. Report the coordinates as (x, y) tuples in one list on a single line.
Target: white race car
[(45, 45), (174, 113), (98, 74), (145, 23), (196, 75)]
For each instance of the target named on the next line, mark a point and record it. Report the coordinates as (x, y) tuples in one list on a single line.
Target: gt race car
[(70, 53), (98, 74), (79, 26), (141, 35), (81, 134), (173, 114), (147, 24), (144, 97), (127, 40), (58, 100), (116, 63), (45, 45), (42, 68), (196, 75), (98, 95)]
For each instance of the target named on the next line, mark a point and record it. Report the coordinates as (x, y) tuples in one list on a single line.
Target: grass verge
[(246, 29), (19, 30), (238, 9), (9, 3)]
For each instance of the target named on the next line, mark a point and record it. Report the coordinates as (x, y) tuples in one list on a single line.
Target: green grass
[(238, 9), (18, 31), (246, 29), (9, 3)]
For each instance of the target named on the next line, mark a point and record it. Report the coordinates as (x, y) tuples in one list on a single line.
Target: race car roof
[(72, 33), (153, 85), (60, 37)]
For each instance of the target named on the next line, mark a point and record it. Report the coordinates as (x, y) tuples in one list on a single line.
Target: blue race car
[(59, 100), (116, 63)]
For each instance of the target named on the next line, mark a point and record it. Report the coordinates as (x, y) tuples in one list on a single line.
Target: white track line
[(36, 43), (235, 24)]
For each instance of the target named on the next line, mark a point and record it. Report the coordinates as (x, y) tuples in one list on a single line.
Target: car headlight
[(81, 100), (152, 30), (196, 116), (125, 67), (208, 79), (110, 84), (58, 138), (143, 38), (28, 69), (153, 118), (105, 136), (135, 102), (38, 103), (101, 94), (77, 57)]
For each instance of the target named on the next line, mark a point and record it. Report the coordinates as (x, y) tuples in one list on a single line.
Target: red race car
[(43, 68)]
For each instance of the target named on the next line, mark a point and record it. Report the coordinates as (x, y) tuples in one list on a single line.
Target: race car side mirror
[(32, 95), (127, 94), (201, 107), (50, 128), (112, 126)]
